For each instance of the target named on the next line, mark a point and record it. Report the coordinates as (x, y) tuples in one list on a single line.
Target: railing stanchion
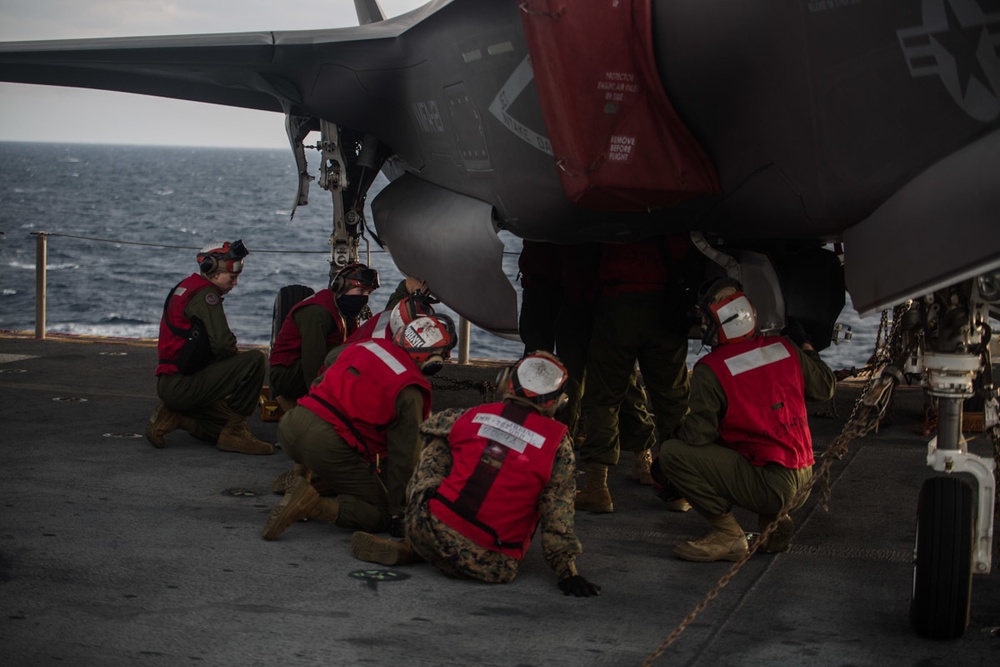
[(464, 334), (41, 253)]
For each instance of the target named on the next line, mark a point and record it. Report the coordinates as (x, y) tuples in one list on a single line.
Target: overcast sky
[(47, 113)]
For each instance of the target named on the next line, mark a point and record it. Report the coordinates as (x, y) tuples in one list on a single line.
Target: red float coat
[(357, 394), (765, 416), (502, 459), (170, 343), (287, 348), (641, 266), (374, 327)]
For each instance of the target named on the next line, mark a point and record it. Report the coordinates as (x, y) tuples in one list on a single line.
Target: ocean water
[(126, 221)]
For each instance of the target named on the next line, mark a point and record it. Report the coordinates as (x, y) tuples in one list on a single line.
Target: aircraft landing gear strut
[(954, 532)]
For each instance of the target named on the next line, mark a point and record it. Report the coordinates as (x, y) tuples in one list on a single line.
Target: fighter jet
[(767, 132)]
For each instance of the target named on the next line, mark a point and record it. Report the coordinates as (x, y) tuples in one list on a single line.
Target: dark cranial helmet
[(729, 315), (222, 256), (351, 276)]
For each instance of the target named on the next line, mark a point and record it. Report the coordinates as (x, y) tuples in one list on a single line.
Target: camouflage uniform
[(458, 556)]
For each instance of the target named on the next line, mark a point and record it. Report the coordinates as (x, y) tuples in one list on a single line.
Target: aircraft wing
[(809, 122), (317, 73), (233, 70), (350, 76)]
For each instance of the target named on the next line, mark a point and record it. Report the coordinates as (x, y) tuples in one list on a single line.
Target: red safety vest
[(766, 416), (374, 327), (641, 266), (169, 345), (502, 459), (357, 394), (287, 347)]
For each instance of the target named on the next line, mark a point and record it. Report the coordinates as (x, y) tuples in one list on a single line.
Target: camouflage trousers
[(450, 551)]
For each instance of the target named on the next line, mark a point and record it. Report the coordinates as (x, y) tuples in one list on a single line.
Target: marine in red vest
[(641, 320), (406, 304), (205, 385), (488, 478), (357, 429), (746, 440), (315, 326), (573, 327)]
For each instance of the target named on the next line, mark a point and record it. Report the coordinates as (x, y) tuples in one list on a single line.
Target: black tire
[(288, 296), (942, 559)]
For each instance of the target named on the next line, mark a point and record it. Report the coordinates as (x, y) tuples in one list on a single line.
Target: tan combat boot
[(594, 496), (679, 504), (640, 467), (236, 437), (780, 538), (286, 480), (163, 421), (374, 549), (300, 503), (725, 542)]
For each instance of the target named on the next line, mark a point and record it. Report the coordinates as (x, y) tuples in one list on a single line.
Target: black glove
[(578, 586), (396, 527), (794, 332)]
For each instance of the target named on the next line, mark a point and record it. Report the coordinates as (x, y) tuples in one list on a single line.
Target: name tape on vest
[(752, 359), (386, 358), (507, 433)]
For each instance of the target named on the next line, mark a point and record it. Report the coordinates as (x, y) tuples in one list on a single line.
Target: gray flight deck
[(116, 553)]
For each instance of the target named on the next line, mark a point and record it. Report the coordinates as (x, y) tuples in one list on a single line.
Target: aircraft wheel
[(942, 559), (288, 296)]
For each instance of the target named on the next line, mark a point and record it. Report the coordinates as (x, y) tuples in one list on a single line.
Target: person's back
[(513, 447), (746, 440), (357, 393), (487, 478), (357, 430)]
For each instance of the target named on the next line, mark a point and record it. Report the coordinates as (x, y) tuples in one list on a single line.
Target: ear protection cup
[(338, 284), (220, 256), (209, 265)]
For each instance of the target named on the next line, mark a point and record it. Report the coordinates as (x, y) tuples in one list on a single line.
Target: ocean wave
[(109, 330), (116, 319), (50, 267)]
